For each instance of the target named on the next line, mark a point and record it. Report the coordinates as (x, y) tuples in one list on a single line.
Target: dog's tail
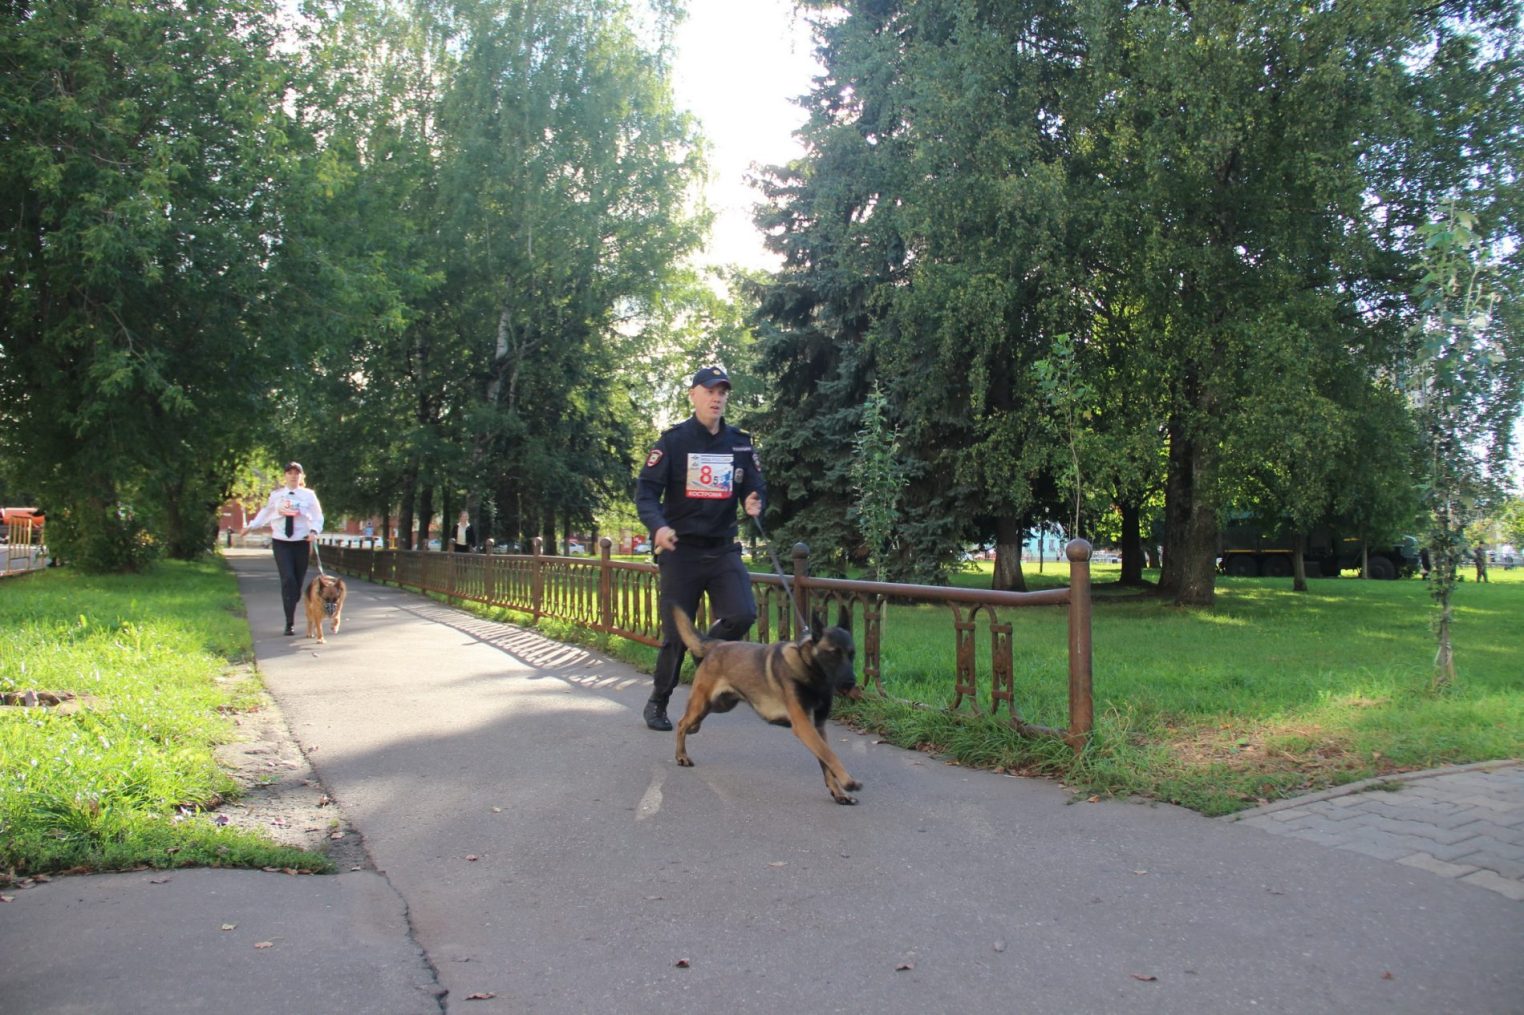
[(691, 638)]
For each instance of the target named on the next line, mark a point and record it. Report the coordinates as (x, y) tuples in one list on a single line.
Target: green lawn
[(1268, 693), (117, 777)]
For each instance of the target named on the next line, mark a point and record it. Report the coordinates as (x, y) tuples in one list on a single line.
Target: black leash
[(804, 628)]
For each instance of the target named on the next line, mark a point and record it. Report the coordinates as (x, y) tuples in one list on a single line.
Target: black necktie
[(290, 526)]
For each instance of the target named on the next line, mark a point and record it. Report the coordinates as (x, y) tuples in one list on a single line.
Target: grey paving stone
[(1492, 803), (1407, 843), (1398, 826), (1424, 861), (1266, 822), (1511, 869), (1462, 825), (1323, 837), (1379, 850), (1462, 816), (1495, 882), (1454, 851)]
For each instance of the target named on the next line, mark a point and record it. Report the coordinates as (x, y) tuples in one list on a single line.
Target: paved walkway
[(532, 848), (1465, 823)]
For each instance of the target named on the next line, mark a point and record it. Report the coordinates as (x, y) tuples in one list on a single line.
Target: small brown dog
[(324, 598), (788, 683)]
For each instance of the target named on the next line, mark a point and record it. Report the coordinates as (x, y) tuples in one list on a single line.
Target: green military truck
[(1245, 551)]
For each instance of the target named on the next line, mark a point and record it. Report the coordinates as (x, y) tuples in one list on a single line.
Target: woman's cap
[(294, 465)]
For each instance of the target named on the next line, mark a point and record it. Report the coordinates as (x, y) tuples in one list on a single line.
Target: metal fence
[(619, 598)]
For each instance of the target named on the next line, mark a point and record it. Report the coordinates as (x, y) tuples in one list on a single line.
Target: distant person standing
[(694, 479), (464, 536), (1479, 555), (295, 517)]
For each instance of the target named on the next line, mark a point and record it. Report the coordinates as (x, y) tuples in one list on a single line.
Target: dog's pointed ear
[(843, 618), (817, 626)]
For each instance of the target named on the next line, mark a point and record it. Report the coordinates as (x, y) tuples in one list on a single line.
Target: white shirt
[(301, 504)]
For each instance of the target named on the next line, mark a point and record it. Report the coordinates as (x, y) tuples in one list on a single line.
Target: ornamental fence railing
[(619, 598), (24, 550)]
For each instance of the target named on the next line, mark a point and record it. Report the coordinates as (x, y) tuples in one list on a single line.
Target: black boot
[(656, 715)]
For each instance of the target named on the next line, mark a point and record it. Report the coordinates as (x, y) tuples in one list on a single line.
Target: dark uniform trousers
[(696, 566), (291, 561)]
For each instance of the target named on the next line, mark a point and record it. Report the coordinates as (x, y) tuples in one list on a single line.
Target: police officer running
[(686, 496)]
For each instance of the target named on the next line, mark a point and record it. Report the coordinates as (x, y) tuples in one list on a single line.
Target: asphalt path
[(531, 840)]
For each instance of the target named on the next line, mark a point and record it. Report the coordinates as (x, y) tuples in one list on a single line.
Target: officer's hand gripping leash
[(804, 628)]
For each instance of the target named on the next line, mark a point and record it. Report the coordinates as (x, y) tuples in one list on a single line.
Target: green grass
[(1267, 694), (120, 776)]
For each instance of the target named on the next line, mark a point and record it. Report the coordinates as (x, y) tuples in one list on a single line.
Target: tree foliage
[(142, 167), (1217, 202), (1459, 378)]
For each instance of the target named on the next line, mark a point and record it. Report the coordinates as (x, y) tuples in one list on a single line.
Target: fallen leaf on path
[(999, 946), (471, 856), (1093, 800), (7, 898), (683, 964), (904, 967), (264, 944), (229, 926), (1388, 975), (159, 881), (1145, 977), (777, 863), (485, 995)]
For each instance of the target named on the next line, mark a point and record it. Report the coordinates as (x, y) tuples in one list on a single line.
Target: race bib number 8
[(710, 476)]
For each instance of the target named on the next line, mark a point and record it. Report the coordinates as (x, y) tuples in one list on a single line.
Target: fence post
[(537, 577), (1081, 701), (801, 599), (489, 575), (605, 586)]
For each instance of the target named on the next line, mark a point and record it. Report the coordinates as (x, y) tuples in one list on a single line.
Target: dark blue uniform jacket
[(693, 480)]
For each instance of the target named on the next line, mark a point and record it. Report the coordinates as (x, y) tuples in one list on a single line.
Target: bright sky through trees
[(739, 67)]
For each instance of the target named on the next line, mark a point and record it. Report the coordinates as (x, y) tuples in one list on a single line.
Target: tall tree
[(141, 167), (1465, 385), (1268, 163)]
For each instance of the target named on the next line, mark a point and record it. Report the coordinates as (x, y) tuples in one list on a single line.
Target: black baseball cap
[(294, 465), (710, 376)]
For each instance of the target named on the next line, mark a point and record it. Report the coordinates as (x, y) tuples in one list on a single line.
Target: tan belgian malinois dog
[(788, 683)]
